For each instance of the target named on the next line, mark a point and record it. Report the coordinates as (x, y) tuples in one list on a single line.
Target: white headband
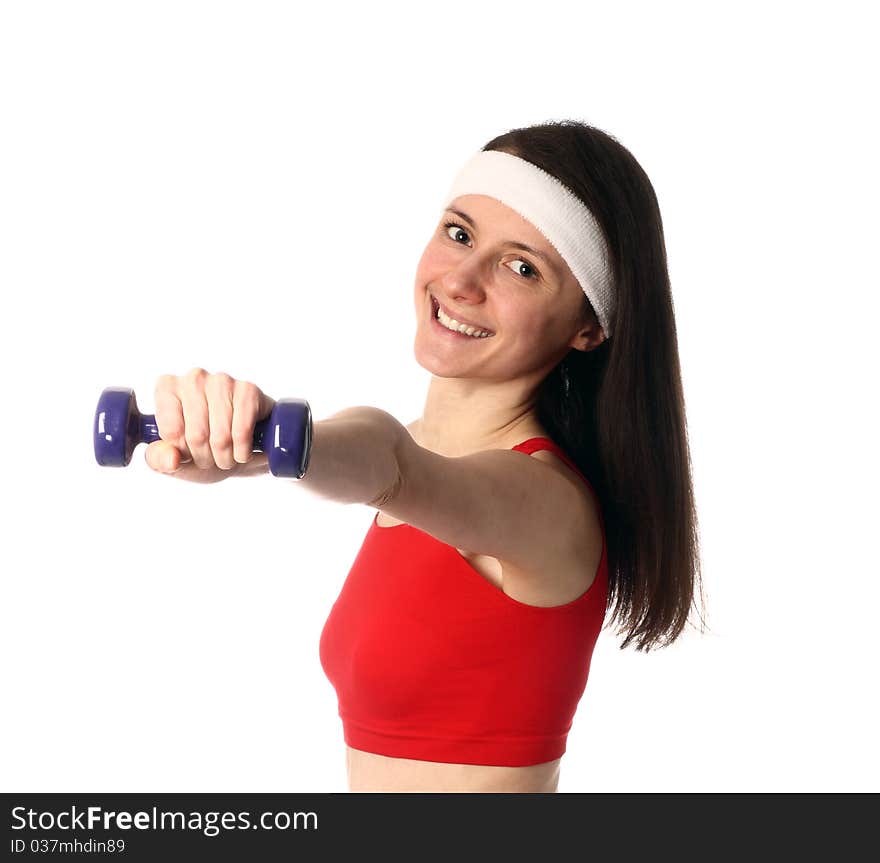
[(554, 210)]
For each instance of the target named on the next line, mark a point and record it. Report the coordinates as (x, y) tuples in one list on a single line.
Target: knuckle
[(170, 422), (242, 440), (165, 383), (247, 391), (172, 427), (221, 440), (196, 437), (220, 381), (197, 373)]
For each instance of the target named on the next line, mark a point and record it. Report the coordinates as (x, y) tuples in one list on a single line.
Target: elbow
[(391, 478), (388, 438), (387, 495)]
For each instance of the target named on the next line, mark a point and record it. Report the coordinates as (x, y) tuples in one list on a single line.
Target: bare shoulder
[(563, 469), (569, 572)]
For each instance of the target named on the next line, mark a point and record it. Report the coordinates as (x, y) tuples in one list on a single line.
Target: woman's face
[(528, 299)]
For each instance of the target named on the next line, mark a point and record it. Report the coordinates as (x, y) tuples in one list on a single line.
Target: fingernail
[(168, 464)]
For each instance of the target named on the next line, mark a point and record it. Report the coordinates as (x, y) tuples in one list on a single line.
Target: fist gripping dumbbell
[(285, 435)]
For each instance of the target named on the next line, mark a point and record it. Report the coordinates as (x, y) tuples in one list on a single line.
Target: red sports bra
[(431, 661)]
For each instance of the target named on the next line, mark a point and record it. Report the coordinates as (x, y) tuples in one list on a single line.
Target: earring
[(566, 384)]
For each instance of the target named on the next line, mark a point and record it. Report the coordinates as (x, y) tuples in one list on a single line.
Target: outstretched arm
[(206, 422), (503, 503), (354, 456)]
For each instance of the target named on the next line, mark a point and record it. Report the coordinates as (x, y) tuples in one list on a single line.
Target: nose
[(465, 282)]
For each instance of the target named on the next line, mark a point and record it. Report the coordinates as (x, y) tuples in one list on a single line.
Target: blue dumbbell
[(285, 435)]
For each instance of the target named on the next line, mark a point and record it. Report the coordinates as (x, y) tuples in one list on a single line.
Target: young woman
[(546, 481)]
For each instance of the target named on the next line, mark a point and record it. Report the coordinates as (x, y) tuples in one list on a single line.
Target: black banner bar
[(413, 827)]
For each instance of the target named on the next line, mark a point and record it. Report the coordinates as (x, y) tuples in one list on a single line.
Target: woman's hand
[(206, 425)]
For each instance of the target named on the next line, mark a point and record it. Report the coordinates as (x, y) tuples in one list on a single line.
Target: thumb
[(163, 456)]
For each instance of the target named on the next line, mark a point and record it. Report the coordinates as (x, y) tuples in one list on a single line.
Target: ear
[(588, 337)]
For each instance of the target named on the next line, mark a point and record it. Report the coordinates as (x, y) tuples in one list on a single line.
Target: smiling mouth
[(435, 307)]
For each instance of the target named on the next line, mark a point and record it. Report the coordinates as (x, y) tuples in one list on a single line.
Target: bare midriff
[(370, 772)]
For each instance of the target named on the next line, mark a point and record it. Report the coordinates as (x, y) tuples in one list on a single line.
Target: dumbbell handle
[(148, 431), (285, 435)]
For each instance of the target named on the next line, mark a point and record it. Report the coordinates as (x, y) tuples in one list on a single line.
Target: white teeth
[(464, 329)]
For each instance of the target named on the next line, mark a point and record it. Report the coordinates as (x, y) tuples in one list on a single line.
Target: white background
[(248, 187)]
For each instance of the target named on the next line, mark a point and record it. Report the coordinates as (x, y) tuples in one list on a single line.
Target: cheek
[(434, 261), (537, 330), (422, 269)]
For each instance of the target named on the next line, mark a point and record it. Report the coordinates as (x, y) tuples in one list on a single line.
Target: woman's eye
[(453, 230), (518, 267)]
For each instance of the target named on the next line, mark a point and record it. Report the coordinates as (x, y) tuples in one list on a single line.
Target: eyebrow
[(516, 245)]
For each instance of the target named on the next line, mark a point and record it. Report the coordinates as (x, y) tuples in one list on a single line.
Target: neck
[(463, 416)]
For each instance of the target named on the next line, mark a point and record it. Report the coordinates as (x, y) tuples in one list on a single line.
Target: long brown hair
[(623, 420)]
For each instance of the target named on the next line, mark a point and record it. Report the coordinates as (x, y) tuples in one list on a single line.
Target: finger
[(163, 456), (197, 428), (219, 390), (161, 452), (169, 415), (250, 405)]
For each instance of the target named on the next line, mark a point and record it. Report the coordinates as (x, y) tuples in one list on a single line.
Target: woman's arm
[(354, 456), (206, 423), (506, 504)]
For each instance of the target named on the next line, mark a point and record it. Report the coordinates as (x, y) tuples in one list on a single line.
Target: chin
[(428, 361), (420, 357)]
